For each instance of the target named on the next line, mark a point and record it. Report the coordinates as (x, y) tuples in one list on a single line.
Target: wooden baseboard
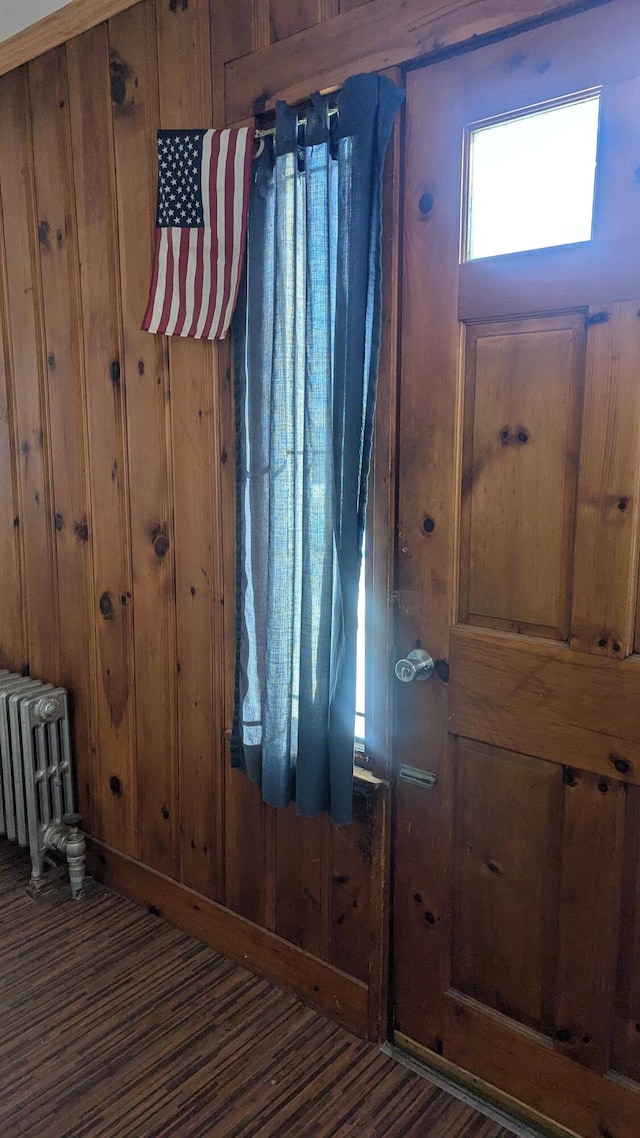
[(76, 17), (477, 1090), (328, 989)]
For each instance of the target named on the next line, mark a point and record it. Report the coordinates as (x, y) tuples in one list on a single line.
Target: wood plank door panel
[(516, 923), (508, 814), (521, 433)]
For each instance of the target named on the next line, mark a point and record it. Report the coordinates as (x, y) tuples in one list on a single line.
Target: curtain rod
[(301, 122)]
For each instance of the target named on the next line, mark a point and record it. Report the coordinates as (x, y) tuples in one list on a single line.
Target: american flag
[(201, 226)]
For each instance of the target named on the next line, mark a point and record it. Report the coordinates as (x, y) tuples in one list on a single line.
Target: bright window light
[(360, 658), (532, 179)]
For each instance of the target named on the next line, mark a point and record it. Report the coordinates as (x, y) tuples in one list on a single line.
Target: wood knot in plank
[(622, 766), (159, 538), (43, 234), (106, 606), (518, 436), (121, 75)]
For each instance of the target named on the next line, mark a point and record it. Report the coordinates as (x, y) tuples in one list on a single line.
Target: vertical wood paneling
[(62, 365), (246, 892), (593, 837), (301, 879), (350, 916), (231, 36), (261, 34), (185, 101), (231, 32), (24, 353), (378, 818), (13, 639), (606, 551), (134, 98), (184, 47), (125, 494), (92, 146), (232, 28), (248, 841)]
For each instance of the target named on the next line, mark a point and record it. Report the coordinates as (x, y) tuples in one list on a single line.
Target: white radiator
[(36, 787)]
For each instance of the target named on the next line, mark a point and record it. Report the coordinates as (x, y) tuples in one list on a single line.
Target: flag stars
[(180, 157)]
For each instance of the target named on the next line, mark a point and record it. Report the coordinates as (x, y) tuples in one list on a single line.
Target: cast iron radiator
[(36, 786)]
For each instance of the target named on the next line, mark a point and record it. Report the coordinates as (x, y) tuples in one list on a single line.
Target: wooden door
[(517, 865)]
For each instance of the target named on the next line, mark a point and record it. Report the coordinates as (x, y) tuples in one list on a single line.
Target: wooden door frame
[(374, 36)]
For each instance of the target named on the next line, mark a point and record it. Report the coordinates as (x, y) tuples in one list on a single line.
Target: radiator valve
[(66, 838), (75, 851)]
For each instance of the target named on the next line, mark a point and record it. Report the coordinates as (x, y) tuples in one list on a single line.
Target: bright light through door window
[(359, 727), (532, 179)]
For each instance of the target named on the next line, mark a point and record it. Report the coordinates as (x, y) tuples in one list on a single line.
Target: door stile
[(428, 526), (606, 551)]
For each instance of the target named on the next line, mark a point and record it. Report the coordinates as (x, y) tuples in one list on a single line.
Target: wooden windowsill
[(362, 777)]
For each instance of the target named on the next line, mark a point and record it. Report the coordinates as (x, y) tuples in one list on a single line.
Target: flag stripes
[(196, 269)]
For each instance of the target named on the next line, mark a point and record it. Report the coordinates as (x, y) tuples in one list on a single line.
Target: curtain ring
[(258, 152), (300, 143)]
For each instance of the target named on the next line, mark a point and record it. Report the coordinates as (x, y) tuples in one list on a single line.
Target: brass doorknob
[(418, 665)]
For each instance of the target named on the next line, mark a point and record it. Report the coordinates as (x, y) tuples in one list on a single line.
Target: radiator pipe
[(66, 837)]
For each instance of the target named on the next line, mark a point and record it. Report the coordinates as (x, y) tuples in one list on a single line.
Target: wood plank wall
[(116, 466), (116, 512)]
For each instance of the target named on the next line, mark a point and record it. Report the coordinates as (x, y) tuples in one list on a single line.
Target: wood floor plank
[(118, 1025)]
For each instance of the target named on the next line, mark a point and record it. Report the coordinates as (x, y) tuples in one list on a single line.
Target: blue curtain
[(307, 336)]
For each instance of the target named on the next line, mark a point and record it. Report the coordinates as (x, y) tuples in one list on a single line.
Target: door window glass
[(532, 179)]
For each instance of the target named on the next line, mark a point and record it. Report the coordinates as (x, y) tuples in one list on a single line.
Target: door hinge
[(416, 777)]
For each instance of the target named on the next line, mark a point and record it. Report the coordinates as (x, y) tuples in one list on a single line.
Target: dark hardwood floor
[(113, 1024)]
